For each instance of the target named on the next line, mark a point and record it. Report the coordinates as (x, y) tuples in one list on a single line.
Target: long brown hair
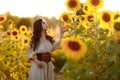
[(37, 30)]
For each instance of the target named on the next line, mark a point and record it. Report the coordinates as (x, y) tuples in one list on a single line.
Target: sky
[(49, 8)]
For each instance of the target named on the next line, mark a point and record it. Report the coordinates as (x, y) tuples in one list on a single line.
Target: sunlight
[(30, 8)]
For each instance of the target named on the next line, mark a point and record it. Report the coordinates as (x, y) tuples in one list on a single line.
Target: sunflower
[(106, 17), (16, 38), (8, 33), (73, 48), (23, 29), (95, 4), (25, 41), (86, 8), (82, 18), (73, 5), (14, 32), (10, 22), (90, 18), (65, 17), (116, 24), (2, 19)]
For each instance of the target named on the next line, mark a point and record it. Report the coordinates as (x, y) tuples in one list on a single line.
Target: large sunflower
[(106, 17), (95, 4), (73, 5), (73, 48)]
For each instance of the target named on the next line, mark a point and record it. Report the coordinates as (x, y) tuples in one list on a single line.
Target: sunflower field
[(13, 52), (92, 41), (90, 49)]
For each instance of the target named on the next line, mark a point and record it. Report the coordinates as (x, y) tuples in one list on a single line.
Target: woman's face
[(44, 24)]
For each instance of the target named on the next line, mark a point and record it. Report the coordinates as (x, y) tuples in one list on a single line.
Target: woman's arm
[(31, 53), (56, 44)]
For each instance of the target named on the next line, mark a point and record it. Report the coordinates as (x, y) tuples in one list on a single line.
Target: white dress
[(47, 72)]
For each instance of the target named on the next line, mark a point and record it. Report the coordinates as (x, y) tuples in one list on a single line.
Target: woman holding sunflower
[(39, 51)]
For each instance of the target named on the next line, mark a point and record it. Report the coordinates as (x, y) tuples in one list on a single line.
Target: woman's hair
[(37, 30)]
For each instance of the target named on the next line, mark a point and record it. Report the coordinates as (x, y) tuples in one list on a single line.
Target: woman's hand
[(41, 64), (32, 56), (57, 43), (62, 30)]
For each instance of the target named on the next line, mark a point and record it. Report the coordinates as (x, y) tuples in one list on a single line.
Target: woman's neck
[(43, 36)]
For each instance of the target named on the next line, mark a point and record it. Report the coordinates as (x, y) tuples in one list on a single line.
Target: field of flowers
[(14, 42), (13, 52), (90, 47), (92, 41)]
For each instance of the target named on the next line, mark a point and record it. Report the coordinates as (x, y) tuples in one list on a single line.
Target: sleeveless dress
[(47, 72)]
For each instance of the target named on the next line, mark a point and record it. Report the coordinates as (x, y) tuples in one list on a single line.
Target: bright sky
[(49, 8)]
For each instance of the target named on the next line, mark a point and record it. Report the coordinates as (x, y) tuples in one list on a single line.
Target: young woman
[(39, 52)]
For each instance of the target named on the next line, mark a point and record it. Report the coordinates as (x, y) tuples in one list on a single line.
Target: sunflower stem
[(111, 29), (74, 23), (96, 30)]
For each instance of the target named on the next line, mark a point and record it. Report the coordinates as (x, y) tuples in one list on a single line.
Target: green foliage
[(59, 60)]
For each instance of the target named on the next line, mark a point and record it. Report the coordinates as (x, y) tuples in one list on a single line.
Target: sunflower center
[(83, 18), (16, 37), (117, 26), (25, 41), (72, 3), (23, 29), (14, 33), (1, 18), (106, 17), (65, 17), (116, 16), (86, 8), (95, 2), (90, 18), (74, 45), (8, 33)]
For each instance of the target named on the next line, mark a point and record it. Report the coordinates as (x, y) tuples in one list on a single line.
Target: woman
[(39, 52)]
